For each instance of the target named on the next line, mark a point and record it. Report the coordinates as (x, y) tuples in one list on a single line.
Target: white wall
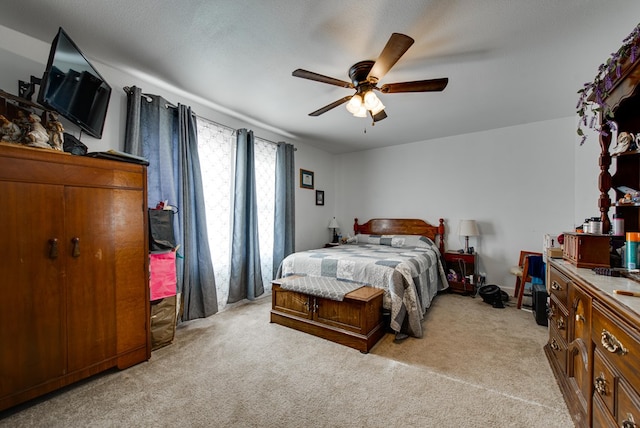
[(312, 220), (22, 56), (516, 182)]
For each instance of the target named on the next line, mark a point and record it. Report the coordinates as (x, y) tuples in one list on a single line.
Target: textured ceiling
[(508, 61)]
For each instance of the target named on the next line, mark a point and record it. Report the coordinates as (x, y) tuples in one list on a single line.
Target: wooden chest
[(585, 250), (356, 321)]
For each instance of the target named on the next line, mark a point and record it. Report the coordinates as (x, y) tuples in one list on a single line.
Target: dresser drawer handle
[(560, 323), (554, 345), (600, 384), (629, 422), (552, 312), (612, 344), (555, 286)]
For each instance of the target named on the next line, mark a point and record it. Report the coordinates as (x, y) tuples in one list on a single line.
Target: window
[(216, 148)]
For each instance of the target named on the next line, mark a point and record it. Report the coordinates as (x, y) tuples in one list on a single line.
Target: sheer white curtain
[(265, 153), (216, 147)]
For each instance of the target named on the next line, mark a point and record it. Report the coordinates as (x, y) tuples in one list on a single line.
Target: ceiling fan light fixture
[(377, 109), (373, 103), (370, 100), (354, 104), (362, 112)]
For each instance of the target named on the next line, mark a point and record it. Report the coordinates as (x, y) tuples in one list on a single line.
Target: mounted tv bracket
[(27, 89)]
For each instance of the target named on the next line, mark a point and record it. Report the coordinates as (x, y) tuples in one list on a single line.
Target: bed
[(398, 256)]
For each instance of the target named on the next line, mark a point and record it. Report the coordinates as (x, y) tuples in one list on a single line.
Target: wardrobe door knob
[(53, 248), (75, 252)]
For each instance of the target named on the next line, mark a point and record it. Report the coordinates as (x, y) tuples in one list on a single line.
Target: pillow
[(363, 238), (418, 241), (395, 240), (378, 240), (410, 241)]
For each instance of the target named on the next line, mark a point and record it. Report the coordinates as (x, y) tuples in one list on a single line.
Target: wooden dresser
[(594, 345), (74, 269)]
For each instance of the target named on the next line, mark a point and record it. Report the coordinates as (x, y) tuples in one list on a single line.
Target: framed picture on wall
[(306, 179), (319, 197)]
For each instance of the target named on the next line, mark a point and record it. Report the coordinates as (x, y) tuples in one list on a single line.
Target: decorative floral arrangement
[(591, 101)]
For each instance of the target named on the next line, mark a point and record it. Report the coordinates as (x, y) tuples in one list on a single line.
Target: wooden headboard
[(402, 226)]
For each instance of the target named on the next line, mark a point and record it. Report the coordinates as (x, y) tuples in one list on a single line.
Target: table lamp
[(467, 228), (333, 224)]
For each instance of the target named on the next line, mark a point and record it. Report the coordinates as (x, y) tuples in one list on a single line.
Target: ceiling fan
[(364, 79)]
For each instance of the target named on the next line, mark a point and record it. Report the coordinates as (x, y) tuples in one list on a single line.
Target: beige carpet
[(476, 367)]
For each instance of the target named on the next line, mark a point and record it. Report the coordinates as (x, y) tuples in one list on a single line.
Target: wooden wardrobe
[(73, 269)]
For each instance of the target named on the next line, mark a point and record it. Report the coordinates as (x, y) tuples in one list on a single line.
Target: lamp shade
[(333, 224), (468, 228)]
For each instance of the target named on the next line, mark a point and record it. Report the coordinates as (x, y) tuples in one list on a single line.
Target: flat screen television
[(71, 86)]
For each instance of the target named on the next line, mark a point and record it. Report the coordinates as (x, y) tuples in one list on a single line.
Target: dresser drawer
[(604, 381), (559, 348), (559, 286), (558, 318), (618, 343), (628, 406), (601, 417)]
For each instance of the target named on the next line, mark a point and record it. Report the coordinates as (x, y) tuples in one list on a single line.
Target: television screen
[(73, 87)]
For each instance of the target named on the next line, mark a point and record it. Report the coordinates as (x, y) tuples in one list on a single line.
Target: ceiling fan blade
[(378, 116), (320, 78), (432, 85), (330, 106), (393, 50)]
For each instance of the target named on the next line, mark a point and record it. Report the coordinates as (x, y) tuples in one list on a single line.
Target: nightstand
[(462, 265)]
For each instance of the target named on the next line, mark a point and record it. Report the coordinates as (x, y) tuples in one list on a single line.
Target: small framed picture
[(319, 197), (306, 179)]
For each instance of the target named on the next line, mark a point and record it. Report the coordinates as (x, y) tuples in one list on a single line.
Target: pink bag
[(162, 275)]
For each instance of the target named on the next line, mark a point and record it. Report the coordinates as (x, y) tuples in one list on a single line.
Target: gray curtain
[(245, 280), (284, 224), (167, 137)]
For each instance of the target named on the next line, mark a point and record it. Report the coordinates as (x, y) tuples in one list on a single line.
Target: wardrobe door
[(32, 321), (90, 275), (131, 270)]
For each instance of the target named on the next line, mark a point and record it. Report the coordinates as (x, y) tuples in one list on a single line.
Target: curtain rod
[(227, 127), (148, 98)]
